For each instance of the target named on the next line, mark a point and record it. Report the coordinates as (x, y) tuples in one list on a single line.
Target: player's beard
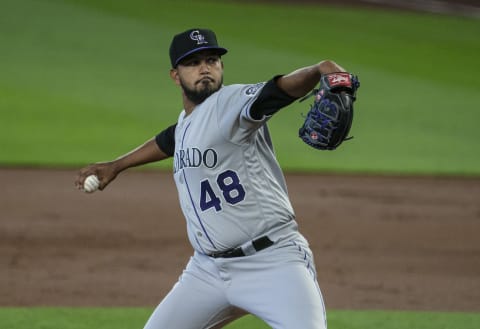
[(207, 88)]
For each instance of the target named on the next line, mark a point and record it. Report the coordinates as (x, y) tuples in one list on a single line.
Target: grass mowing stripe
[(123, 318)]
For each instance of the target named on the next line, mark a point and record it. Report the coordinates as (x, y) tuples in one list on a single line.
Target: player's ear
[(174, 76)]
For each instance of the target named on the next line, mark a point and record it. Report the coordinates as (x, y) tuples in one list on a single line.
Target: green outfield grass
[(85, 81), (127, 318)]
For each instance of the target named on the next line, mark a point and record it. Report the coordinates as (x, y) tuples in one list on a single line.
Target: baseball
[(91, 184)]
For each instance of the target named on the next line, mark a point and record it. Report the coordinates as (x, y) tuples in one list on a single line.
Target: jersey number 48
[(229, 184)]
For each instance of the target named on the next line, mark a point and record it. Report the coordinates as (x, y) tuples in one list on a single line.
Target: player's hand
[(105, 171)]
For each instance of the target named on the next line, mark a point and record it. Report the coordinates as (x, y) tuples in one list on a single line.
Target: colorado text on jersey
[(194, 158)]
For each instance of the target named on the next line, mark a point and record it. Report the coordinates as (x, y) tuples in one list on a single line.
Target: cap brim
[(221, 51)]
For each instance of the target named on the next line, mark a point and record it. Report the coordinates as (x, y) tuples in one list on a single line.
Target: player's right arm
[(158, 148)]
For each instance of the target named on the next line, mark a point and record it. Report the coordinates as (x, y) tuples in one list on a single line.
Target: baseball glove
[(330, 117)]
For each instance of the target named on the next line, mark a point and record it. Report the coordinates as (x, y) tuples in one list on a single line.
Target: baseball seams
[(91, 184)]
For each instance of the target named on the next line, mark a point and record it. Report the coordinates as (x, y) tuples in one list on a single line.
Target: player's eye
[(212, 59), (192, 62)]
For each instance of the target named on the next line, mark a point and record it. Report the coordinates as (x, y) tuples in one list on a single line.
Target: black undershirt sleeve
[(270, 100), (166, 140)]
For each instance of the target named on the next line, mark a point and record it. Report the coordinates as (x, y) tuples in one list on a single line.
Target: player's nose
[(204, 67)]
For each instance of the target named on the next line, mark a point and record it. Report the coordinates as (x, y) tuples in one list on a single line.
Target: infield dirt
[(399, 243)]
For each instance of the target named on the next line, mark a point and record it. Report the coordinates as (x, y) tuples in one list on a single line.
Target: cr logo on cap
[(195, 35)]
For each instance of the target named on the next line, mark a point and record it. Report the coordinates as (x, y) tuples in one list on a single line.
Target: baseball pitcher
[(249, 256)]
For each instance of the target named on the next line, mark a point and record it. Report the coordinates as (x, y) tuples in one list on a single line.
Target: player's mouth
[(205, 80)]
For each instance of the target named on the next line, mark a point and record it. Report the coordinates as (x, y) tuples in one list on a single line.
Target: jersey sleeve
[(271, 99), (243, 109), (233, 112)]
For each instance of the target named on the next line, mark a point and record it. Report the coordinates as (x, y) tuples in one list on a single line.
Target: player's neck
[(188, 106)]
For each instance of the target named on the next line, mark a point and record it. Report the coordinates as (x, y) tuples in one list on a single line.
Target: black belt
[(258, 244)]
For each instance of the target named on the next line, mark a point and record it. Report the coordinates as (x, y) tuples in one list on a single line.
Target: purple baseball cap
[(191, 41)]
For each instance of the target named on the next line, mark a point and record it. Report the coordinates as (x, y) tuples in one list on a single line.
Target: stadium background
[(393, 216)]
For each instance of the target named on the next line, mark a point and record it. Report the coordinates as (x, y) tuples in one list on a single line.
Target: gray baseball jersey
[(232, 191), (230, 186)]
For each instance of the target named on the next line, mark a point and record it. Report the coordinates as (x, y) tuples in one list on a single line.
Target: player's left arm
[(285, 89), (300, 82)]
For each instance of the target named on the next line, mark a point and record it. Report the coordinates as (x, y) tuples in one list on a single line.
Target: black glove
[(330, 117)]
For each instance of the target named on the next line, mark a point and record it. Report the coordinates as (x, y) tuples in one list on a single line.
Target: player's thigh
[(197, 301), (285, 295), (291, 299)]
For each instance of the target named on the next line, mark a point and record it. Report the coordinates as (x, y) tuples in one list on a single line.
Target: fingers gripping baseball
[(88, 181), (94, 177), (91, 184)]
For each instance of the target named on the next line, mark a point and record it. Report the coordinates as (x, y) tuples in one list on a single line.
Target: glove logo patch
[(339, 79)]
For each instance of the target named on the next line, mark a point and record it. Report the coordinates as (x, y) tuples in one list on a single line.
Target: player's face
[(199, 75)]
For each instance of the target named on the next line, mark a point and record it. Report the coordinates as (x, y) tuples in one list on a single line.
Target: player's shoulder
[(245, 90)]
